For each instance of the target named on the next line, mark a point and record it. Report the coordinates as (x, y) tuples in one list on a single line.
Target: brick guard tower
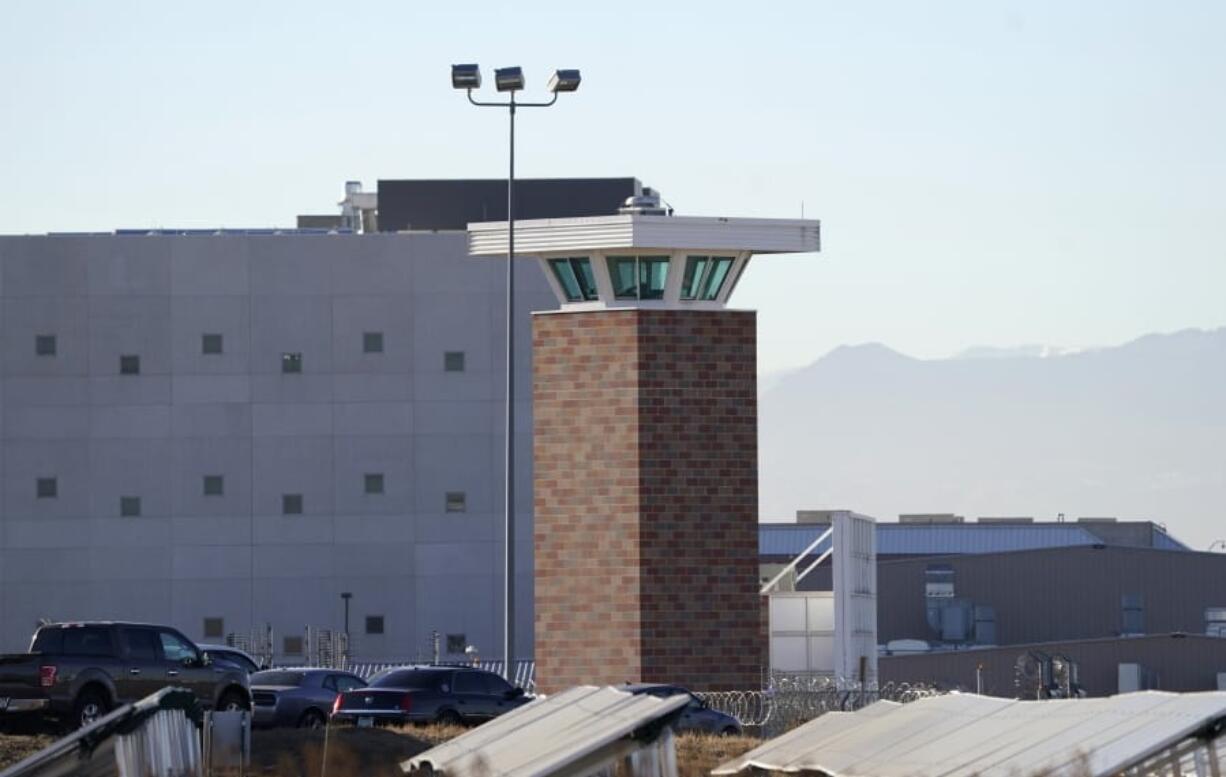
[(645, 447)]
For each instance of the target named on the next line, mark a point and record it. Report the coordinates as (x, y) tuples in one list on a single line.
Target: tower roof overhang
[(544, 237)]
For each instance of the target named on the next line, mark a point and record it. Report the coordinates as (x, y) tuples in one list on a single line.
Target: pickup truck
[(77, 672)]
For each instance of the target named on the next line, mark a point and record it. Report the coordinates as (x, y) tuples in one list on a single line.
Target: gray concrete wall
[(103, 435)]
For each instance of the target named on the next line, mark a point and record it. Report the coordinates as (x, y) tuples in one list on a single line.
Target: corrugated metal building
[(782, 541), (1174, 662), (1061, 593)]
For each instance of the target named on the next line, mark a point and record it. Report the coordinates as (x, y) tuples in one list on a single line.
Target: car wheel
[(449, 718), (90, 706), (730, 731), (312, 719), (232, 701)]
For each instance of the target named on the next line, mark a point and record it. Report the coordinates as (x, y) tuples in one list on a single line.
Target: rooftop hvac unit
[(956, 621), (929, 518)]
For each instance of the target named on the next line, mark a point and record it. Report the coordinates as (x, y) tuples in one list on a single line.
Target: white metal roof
[(551, 735), (965, 734), (537, 237)]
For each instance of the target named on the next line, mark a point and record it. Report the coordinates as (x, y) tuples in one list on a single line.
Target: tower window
[(704, 277), (576, 278), (638, 277)]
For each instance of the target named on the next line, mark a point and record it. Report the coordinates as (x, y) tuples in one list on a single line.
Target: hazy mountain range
[(1136, 431)]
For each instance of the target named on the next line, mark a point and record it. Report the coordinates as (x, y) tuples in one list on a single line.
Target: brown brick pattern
[(645, 453)]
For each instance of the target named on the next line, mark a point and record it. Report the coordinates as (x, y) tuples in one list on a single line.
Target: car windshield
[(275, 677), (409, 678)]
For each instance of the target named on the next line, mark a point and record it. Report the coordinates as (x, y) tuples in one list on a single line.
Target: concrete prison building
[(226, 430)]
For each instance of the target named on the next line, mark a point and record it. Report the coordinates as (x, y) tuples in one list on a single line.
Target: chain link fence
[(790, 701)]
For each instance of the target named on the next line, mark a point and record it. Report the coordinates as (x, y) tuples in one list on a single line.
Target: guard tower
[(646, 446)]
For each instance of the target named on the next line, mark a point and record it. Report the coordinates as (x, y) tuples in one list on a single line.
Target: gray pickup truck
[(77, 672)]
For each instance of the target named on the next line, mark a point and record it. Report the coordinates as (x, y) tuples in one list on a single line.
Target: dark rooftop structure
[(453, 204)]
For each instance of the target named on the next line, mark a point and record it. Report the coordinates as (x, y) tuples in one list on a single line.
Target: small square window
[(291, 363), (44, 345), (374, 624), (453, 361), (129, 364), (292, 646), (374, 482), (291, 504), (214, 628), (47, 488), (457, 502), (456, 643), (214, 485), (372, 342), (129, 506), (211, 343)]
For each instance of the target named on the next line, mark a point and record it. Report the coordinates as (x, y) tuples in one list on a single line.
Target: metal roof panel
[(958, 735)]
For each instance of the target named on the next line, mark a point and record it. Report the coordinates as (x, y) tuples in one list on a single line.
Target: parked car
[(298, 697), (455, 695), (233, 656), (77, 672), (695, 716)]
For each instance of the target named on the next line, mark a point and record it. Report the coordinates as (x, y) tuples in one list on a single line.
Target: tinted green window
[(576, 277), (638, 277), (622, 273), (704, 276), (653, 273)]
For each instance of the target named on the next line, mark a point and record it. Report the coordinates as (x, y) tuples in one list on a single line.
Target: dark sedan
[(434, 694), (695, 716), (298, 697)]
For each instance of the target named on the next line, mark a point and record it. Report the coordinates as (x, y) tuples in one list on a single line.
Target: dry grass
[(377, 752), (698, 754), (14, 747)]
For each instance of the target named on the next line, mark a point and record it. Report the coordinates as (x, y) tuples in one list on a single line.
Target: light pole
[(346, 596), (510, 79)]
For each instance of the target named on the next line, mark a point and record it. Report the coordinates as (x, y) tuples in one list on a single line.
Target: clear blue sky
[(986, 172)]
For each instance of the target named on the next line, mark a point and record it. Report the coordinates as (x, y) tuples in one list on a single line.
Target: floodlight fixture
[(509, 79), (564, 81), (465, 77)]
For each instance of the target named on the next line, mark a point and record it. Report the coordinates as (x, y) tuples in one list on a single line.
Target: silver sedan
[(298, 697)]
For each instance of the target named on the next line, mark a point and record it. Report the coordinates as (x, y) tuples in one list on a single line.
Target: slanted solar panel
[(960, 735)]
